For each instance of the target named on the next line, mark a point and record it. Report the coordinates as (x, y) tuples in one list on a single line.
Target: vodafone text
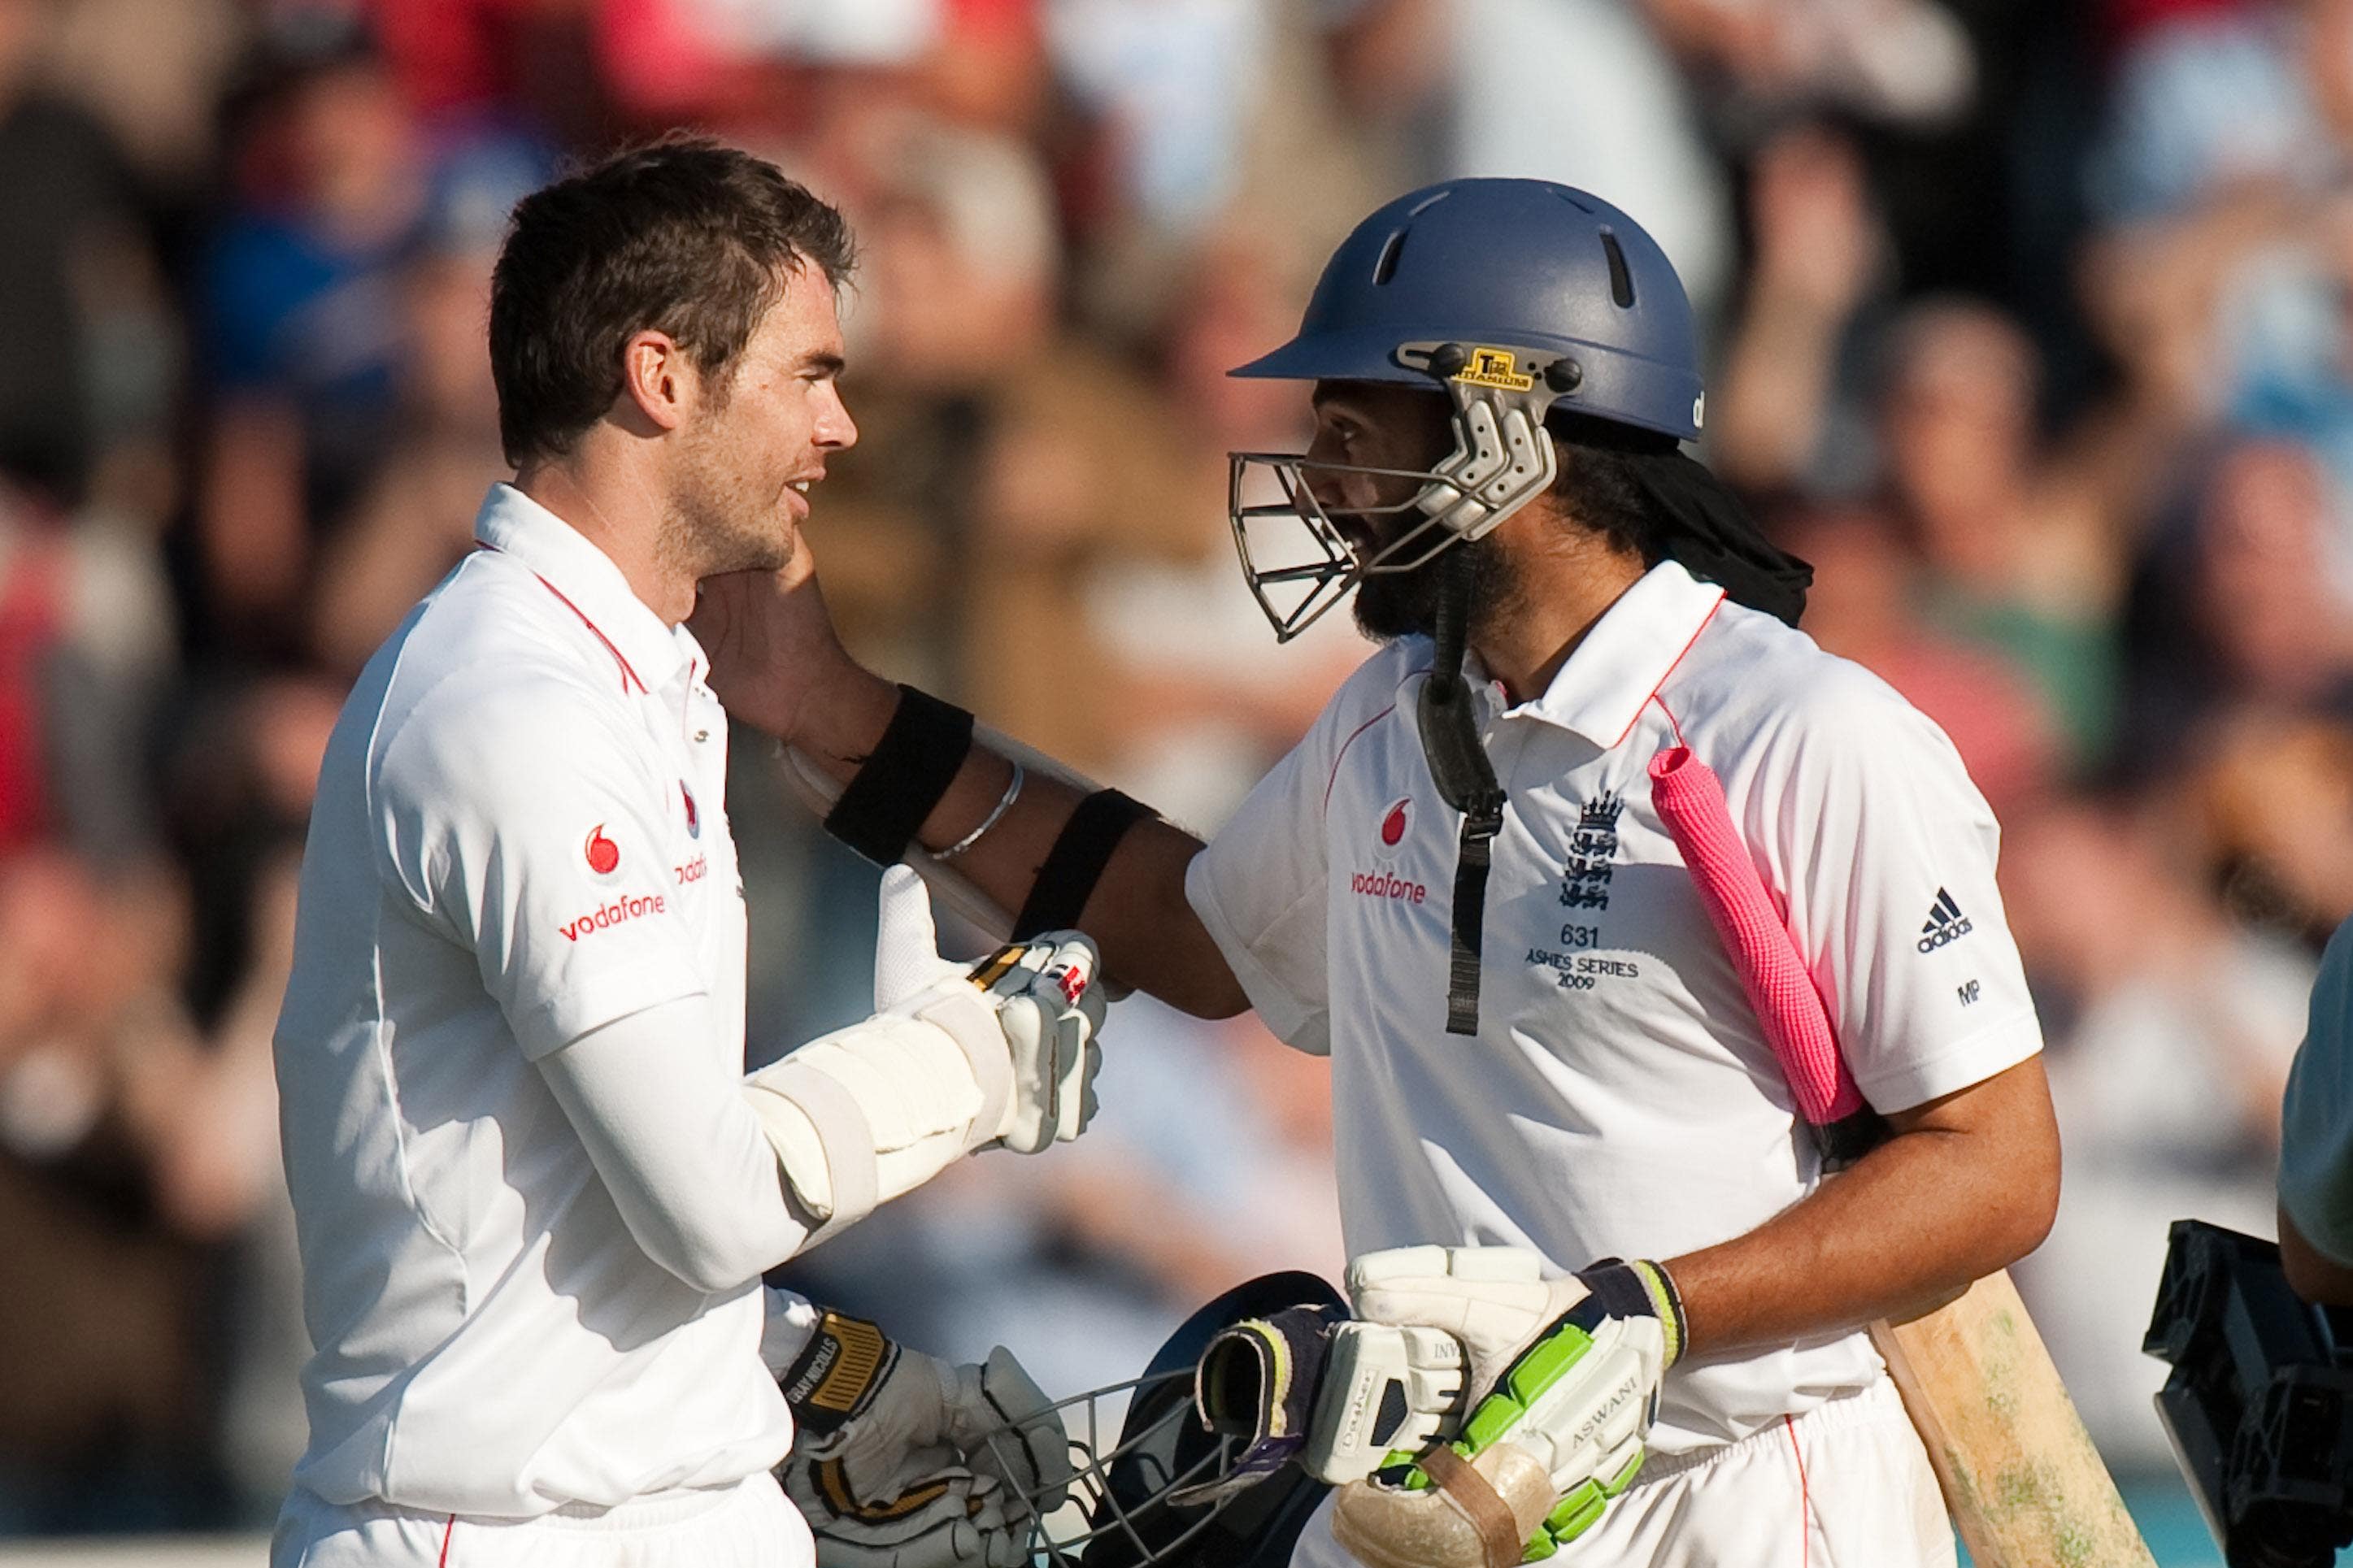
[(1387, 885), (628, 908)]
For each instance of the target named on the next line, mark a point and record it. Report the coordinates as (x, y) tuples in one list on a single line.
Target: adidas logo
[(1945, 923)]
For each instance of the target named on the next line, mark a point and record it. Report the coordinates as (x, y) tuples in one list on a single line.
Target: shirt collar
[(1603, 685), (584, 578)]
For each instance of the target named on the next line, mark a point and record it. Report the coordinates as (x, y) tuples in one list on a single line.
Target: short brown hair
[(682, 236)]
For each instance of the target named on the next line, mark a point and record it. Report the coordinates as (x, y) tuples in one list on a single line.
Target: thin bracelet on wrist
[(1004, 803)]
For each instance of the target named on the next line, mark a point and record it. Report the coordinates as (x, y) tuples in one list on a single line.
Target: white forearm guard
[(866, 1113)]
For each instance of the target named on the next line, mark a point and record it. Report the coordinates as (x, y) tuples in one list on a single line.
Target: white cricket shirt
[(520, 834), (1620, 1099)]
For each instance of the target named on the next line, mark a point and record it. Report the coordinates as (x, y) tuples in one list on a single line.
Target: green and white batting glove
[(1564, 1376)]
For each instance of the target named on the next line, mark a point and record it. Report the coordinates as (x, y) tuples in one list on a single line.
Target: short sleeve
[(1260, 887), (2315, 1181), (522, 821), (1885, 852)]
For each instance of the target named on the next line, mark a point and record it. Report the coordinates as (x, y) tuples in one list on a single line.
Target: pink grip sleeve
[(1690, 800)]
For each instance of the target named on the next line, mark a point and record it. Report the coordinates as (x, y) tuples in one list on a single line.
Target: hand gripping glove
[(902, 1460), (1566, 1375)]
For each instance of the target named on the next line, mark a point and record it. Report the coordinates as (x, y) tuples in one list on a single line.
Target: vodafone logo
[(618, 913), (1396, 822), (693, 817), (604, 854), (1387, 885)]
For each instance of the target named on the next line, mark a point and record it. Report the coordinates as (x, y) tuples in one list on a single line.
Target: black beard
[(1405, 603)]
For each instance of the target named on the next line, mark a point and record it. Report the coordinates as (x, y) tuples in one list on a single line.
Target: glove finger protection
[(1008, 1430), (1565, 1375), (906, 942), (946, 1518), (1051, 1010)]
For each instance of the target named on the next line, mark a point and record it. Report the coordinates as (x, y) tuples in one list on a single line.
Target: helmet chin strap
[(1466, 781)]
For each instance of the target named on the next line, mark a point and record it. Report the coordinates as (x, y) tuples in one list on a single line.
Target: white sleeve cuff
[(791, 1321), (1919, 1080), (1290, 1020)]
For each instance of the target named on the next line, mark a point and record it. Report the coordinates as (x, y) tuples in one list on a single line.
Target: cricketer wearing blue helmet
[(1563, 1138)]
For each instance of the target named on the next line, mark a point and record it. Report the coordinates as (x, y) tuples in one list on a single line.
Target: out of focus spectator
[(415, 518), (101, 1305), (299, 318), (302, 308), (89, 367), (2270, 801), (86, 653), (1864, 607), (2240, 608), (1582, 91)]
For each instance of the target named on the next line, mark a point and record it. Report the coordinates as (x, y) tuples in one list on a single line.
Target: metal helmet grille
[(1117, 1514), (1295, 557)]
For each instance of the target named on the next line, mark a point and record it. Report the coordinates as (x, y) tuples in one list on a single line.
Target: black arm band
[(1075, 864), (901, 781)]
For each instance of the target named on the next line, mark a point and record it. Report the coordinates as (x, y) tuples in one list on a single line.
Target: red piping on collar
[(1662, 685), (628, 675)]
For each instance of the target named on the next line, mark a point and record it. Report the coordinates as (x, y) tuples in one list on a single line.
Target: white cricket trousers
[(746, 1526), (1846, 1485)]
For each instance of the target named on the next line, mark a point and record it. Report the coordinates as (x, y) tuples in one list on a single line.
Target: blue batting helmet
[(1523, 264), (1516, 297)]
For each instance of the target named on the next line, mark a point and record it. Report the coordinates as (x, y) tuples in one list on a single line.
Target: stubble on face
[(727, 514)]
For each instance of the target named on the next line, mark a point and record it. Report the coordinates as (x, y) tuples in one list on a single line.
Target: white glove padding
[(1387, 1391), (951, 1519), (1564, 1376), (1046, 1006)]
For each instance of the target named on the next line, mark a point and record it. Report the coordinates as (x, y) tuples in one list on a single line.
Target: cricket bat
[(2020, 1475)]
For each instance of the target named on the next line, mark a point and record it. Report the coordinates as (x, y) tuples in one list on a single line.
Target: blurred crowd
[(2028, 326)]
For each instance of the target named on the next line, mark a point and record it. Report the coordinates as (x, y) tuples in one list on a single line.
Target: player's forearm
[(1138, 914), (1965, 1186)]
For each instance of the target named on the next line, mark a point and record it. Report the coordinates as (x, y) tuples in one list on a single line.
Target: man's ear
[(659, 381)]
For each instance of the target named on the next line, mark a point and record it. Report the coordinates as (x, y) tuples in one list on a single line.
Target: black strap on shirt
[(1466, 781)]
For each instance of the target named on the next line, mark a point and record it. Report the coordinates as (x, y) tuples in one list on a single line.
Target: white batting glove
[(951, 1519), (1044, 1001), (1564, 1376), (902, 1460)]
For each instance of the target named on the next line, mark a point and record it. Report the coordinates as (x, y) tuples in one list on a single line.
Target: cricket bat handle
[(2020, 1475)]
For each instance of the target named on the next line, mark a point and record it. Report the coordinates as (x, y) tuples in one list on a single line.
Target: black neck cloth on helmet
[(1699, 522)]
